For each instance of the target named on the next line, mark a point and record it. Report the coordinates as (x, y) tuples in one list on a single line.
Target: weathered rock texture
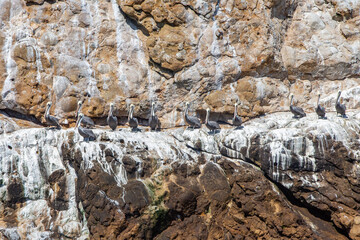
[(210, 53), (278, 177)]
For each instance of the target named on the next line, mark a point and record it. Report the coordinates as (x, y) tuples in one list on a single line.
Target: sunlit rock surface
[(277, 177), (210, 53)]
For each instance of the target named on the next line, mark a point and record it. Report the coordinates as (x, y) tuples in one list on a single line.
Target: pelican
[(87, 134), (194, 122), (340, 108), (320, 111), (297, 111), (211, 125), (154, 122), (51, 120), (133, 122), (237, 121), (111, 119), (88, 122)]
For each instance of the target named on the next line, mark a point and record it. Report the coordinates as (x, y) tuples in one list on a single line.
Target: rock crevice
[(186, 182)]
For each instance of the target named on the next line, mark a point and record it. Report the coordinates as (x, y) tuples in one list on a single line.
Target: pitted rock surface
[(277, 177), (209, 53)]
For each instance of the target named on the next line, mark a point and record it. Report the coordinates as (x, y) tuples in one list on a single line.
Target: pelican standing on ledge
[(211, 125), (340, 108), (153, 120), (51, 120), (320, 111), (133, 122), (194, 122), (111, 119), (297, 111), (237, 121), (88, 122), (87, 134)]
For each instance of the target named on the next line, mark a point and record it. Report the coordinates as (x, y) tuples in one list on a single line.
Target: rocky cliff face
[(277, 177), (210, 53)]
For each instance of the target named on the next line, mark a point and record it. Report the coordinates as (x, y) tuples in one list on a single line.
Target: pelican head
[(236, 104), (291, 98), (78, 108), (318, 100), (47, 110), (81, 115), (152, 108), (207, 115), (338, 96), (132, 106), (187, 104), (111, 108), (48, 105)]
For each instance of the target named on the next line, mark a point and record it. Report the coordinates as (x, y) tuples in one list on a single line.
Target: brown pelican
[(133, 122), (320, 111), (111, 119), (51, 120), (154, 122), (237, 121), (211, 125), (87, 134), (340, 108), (297, 111), (88, 122), (194, 122)]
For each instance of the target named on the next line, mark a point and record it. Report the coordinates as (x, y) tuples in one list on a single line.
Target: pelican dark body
[(297, 111), (87, 134), (51, 120), (340, 108), (193, 122)]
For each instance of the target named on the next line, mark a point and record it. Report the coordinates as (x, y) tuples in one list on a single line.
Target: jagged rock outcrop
[(173, 52), (277, 177)]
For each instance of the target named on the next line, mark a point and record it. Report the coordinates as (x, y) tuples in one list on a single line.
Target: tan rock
[(304, 53), (355, 232), (25, 52), (171, 49), (177, 51), (49, 38), (68, 104)]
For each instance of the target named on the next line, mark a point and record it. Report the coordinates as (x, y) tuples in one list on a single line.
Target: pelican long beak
[(47, 110), (77, 123), (77, 112)]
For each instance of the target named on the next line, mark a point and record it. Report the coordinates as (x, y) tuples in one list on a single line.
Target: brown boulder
[(136, 197), (25, 52), (215, 183)]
